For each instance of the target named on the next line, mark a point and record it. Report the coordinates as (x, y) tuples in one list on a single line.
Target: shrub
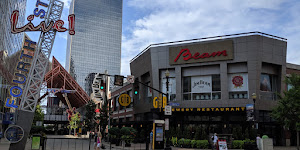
[(114, 131), (237, 144), (187, 143), (202, 144), (180, 142), (37, 129), (193, 143), (174, 141)]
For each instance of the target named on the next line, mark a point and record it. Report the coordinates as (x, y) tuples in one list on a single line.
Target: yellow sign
[(80, 130), (159, 102), (124, 100)]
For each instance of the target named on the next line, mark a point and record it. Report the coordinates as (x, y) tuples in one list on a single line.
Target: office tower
[(11, 43), (96, 45)]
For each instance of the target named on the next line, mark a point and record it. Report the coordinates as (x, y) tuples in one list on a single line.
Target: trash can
[(36, 142)]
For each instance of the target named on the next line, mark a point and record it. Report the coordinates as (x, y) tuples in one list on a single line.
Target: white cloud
[(186, 19)]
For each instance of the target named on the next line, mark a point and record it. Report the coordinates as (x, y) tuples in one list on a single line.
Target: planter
[(127, 145)]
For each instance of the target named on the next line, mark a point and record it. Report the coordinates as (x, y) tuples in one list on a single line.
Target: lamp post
[(167, 74), (254, 99)]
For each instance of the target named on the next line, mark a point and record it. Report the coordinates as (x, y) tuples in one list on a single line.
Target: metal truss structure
[(40, 60)]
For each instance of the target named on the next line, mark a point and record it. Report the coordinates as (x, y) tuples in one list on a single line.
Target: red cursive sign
[(187, 54), (58, 25)]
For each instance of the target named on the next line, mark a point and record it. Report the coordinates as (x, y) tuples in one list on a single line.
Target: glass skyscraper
[(11, 43), (96, 45)]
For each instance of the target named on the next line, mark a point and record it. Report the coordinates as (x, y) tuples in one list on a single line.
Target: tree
[(90, 115), (103, 117), (288, 110), (38, 115), (75, 122)]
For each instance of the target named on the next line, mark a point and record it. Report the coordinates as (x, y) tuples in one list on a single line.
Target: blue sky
[(153, 21)]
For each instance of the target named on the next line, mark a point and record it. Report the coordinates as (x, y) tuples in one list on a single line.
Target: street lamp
[(254, 99), (167, 74)]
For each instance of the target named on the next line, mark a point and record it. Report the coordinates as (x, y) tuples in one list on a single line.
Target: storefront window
[(238, 86), (202, 87)]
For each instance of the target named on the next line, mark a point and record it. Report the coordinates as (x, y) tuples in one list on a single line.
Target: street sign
[(118, 80), (168, 110), (173, 104), (14, 134), (124, 100), (130, 79)]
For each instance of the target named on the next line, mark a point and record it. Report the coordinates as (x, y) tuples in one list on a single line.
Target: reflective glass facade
[(8, 41), (96, 45)]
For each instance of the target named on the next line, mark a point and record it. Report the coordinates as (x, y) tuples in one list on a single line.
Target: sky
[(147, 22)]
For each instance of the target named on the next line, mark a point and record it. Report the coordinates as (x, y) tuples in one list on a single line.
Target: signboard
[(174, 104), (130, 79), (222, 145), (159, 131), (35, 145), (201, 84), (210, 109), (21, 73), (168, 110), (250, 112), (167, 124), (238, 82), (124, 100), (159, 102), (196, 53), (118, 80), (14, 134)]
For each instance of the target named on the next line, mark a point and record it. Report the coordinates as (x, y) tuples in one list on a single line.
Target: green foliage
[(173, 132), (264, 137), (203, 144), (203, 134), (38, 115), (75, 121), (114, 132), (174, 141), (186, 143), (287, 112), (90, 115), (104, 116), (193, 143), (181, 142), (128, 134), (238, 144)]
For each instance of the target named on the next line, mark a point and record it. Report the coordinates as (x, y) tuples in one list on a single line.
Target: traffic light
[(135, 92), (102, 85)]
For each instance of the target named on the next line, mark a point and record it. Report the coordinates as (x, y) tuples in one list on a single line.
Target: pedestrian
[(95, 137), (151, 138), (0, 135), (258, 141), (99, 138), (214, 139)]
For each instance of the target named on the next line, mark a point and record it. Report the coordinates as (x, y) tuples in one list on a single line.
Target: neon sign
[(57, 25), (21, 72), (187, 54)]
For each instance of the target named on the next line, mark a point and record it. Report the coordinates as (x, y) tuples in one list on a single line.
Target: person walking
[(99, 138), (258, 139), (151, 138), (214, 139)]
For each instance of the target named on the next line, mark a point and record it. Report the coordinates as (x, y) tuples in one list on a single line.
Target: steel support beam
[(31, 93)]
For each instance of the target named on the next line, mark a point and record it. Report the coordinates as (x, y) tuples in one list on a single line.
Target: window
[(238, 86), (268, 86), (202, 87)]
